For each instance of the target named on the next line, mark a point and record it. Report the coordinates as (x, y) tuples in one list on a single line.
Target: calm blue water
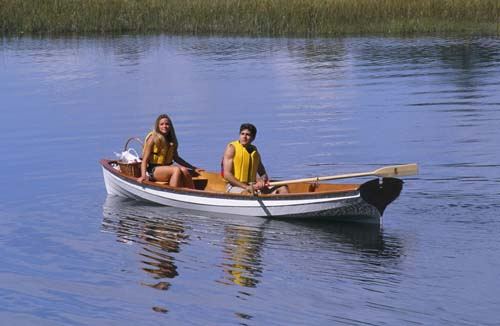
[(72, 256)]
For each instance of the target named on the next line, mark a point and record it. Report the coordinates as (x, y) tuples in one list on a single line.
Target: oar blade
[(397, 170)]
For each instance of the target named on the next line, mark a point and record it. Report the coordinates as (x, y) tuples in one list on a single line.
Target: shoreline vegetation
[(251, 17)]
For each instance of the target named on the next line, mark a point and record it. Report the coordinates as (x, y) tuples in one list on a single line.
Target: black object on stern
[(381, 194)]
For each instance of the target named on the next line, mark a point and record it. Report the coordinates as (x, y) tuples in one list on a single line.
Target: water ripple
[(322, 107)]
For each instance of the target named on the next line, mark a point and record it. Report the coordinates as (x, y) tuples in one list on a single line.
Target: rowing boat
[(305, 200)]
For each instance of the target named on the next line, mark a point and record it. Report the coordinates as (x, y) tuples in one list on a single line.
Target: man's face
[(246, 137)]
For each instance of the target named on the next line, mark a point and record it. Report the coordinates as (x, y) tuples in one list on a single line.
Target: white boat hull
[(348, 205)]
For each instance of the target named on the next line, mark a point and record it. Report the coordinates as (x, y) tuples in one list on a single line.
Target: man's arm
[(227, 163), (261, 170), (263, 179)]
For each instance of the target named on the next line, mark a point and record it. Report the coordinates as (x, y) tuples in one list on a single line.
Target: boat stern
[(381, 192)]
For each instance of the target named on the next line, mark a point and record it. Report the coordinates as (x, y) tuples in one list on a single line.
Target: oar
[(386, 171)]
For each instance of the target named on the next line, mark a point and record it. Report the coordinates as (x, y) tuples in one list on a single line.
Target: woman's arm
[(179, 160), (146, 153)]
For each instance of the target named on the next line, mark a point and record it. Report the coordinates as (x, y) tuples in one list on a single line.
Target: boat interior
[(210, 181), (213, 182)]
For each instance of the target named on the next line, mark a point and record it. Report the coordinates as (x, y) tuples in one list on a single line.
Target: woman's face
[(164, 126)]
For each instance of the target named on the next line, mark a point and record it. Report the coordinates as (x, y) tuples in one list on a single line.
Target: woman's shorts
[(151, 170)]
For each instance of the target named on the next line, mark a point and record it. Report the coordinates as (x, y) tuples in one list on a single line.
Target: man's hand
[(260, 184)]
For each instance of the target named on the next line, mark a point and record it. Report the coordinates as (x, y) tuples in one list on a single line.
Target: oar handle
[(388, 171), (317, 179)]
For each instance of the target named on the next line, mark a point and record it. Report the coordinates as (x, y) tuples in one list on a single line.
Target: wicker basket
[(130, 169)]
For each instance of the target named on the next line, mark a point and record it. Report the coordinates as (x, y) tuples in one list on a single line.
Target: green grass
[(251, 17)]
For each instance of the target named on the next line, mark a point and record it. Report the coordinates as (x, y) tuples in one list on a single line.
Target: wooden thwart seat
[(209, 181)]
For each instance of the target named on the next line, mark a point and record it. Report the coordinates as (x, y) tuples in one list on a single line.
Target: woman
[(160, 151)]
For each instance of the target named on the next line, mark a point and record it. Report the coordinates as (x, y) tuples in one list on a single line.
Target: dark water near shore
[(72, 256)]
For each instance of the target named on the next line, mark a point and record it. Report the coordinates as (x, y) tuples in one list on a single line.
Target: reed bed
[(251, 17)]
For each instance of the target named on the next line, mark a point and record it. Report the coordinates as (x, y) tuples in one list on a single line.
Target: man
[(242, 166)]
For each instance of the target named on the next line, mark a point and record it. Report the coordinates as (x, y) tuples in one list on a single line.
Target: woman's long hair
[(161, 140)]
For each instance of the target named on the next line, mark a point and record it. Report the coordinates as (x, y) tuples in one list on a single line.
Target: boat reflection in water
[(367, 244), (242, 255), (367, 239), (158, 235), (349, 252)]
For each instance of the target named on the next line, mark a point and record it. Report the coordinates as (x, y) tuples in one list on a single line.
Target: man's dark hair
[(250, 127)]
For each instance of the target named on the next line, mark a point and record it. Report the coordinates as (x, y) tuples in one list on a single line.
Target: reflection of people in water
[(242, 253), (158, 237), (165, 237)]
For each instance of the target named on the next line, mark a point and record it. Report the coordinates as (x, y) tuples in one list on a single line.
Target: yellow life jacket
[(163, 155), (245, 162)]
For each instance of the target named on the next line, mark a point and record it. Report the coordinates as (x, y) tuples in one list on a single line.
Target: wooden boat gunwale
[(224, 195)]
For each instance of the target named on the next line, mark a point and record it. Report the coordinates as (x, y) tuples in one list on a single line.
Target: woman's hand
[(141, 179)]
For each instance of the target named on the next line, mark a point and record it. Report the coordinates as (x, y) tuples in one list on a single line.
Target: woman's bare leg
[(176, 179), (187, 179), (172, 174)]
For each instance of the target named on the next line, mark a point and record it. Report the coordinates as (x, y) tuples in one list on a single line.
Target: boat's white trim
[(211, 201), (333, 205)]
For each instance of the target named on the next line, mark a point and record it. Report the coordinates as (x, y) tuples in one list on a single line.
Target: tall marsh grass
[(251, 17)]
